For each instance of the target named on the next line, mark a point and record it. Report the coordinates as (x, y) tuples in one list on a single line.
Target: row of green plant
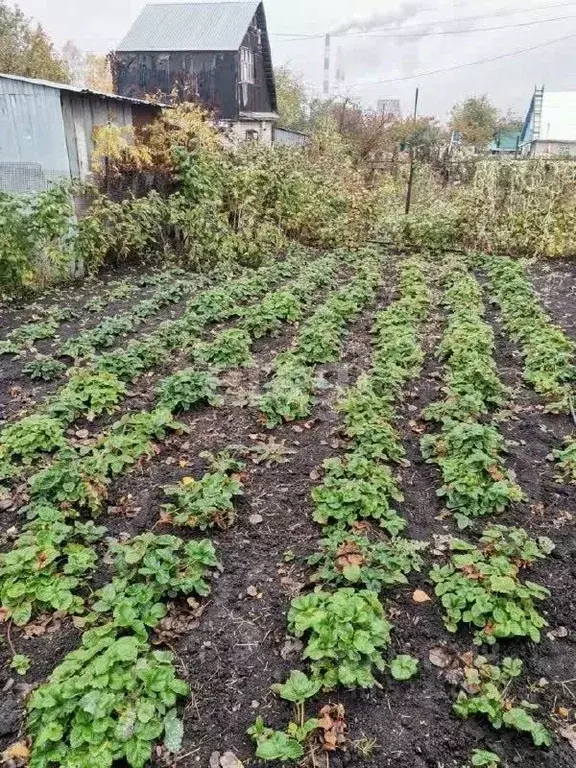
[(469, 449), (105, 333), (547, 351), (117, 695), (289, 394), (482, 585), (342, 622), (92, 391), (47, 320)]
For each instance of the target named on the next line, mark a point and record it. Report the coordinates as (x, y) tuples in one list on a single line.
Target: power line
[(467, 64), (502, 12), (469, 31), (441, 33)]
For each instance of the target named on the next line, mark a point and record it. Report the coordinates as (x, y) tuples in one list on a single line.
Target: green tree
[(293, 106), (476, 119), (25, 49)]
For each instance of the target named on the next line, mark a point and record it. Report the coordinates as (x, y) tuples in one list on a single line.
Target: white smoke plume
[(365, 55), (395, 18)]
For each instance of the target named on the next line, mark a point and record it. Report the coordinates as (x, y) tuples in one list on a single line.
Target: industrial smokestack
[(327, 47)]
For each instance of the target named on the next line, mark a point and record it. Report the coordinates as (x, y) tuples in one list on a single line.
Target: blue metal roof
[(190, 27)]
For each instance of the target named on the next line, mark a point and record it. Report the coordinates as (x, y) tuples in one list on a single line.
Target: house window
[(246, 66)]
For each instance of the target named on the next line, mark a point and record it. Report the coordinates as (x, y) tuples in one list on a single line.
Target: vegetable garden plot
[(282, 523)]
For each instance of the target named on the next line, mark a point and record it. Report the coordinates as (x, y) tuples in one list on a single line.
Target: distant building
[(217, 54), (550, 126), (389, 107), (46, 129), (288, 137), (505, 143)]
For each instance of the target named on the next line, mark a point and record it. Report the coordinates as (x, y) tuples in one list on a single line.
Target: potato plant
[(547, 351), (482, 585), (110, 700), (208, 502), (345, 635), (468, 450), (486, 691)]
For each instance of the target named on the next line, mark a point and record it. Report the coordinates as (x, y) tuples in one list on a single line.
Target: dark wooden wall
[(208, 77)]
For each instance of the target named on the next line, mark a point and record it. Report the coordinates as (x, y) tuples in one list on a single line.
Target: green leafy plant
[(129, 439), (267, 317), (274, 745), (29, 438), (476, 483), (230, 348), (487, 692), (566, 461), (404, 667), (354, 557), (481, 585), (207, 502), (356, 488), (346, 632), (287, 397), (44, 367), (110, 700), (148, 569), (49, 562), (288, 744), (368, 420), (485, 758), (89, 393), (71, 481), (187, 388), (20, 663)]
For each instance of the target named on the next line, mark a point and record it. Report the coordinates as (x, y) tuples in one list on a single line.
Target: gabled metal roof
[(190, 27)]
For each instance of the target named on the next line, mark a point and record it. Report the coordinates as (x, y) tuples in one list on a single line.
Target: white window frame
[(247, 68)]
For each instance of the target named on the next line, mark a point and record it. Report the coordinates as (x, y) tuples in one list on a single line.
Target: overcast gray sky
[(370, 59)]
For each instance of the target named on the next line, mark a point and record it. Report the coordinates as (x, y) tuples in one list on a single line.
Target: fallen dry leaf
[(18, 751), (563, 712), (440, 657), (419, 596), (229, 760), (291, 649), (334, 725), (569, 733)]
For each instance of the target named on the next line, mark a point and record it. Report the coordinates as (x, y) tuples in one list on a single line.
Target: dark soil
[(233, 647)]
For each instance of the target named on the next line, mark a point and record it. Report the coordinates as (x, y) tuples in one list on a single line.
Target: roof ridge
[(204, 2)]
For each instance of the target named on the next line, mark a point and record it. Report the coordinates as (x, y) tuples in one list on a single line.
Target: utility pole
[(327, 57), (412, 158)]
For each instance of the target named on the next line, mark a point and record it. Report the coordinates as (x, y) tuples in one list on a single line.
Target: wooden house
[(217, 54)]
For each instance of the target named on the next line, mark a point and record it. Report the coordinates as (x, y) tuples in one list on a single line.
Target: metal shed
[(46, 129)]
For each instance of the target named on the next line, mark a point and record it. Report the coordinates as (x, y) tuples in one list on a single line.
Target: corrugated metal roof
[(190, 27), (76, 89)]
